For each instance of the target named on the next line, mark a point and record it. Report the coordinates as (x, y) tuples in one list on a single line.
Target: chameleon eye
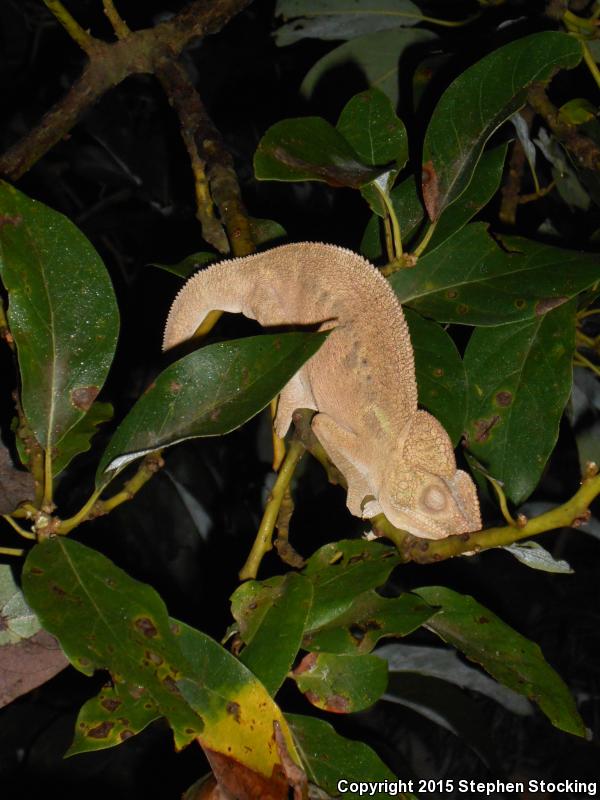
[(434, 499)]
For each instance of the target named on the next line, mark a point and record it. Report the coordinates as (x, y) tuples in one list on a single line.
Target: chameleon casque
[(396, 459)]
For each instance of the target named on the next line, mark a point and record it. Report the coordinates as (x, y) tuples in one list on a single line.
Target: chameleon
[(396, 458)]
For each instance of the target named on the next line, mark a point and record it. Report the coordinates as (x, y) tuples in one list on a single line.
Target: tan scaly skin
[(396, 459)]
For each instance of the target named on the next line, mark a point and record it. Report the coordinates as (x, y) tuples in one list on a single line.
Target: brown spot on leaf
[(483, 620), (462, 309), (547, 304), (126, 734), (83, 397), (215, 414), (504, 398), (438, 372), (170, 684), (154, 658), (7, 219), (101, 731), (484, 426), (336, 704), (110, 704), (58, 590), (36, 571), (146, 627), (520, 303), (307, 663), (431, 190), (451, 294), (234, 709), (175, 387)]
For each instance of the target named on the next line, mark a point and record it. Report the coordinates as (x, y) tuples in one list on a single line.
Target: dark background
[(123, 177)]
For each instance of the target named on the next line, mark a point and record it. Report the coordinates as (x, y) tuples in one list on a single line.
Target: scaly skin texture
[(396, 459)]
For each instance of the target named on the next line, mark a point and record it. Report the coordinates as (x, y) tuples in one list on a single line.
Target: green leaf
[(409, 208), (106, 620), (533, 555), (330, 758), (309, 149), (341, 683), (188, 265), (369, 124), (62, 314), (519, 379), (17, 620), (337, 19), (111, 717), (266, 230), (479, 192), (207, 393), (409, 211), (251, 601), (240, 716), (369, 618), (342, 570), (509, 657), (274, 645), (478, 102), (440, 373), (471, 280), (377, 55), (79, 438)]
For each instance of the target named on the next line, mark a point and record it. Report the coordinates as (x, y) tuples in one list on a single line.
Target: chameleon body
[(396, 459)]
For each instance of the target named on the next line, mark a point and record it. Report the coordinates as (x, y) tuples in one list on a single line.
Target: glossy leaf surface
[(472, 280), (369, 124), (341, 683), (309, 149), (329, 758), (274, 644), (208, 392), (478, 102), (520, 378), (62, 313), (369, 618), (106, 620), (441, 377), (509, 657)]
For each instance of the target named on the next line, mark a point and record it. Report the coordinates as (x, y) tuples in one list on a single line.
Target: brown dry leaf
[(28, 664)]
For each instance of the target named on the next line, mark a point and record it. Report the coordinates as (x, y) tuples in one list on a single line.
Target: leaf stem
[(581, 361), (502, 501), (425, 240), (95, 507), (589, 60), (262, 543), (119, 25), (72, 27), (278, 444), (11, 551), (47, 501), (21, 531), (393, 218)]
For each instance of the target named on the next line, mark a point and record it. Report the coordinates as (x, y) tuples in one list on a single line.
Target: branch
[(214, 174), (425, 551), (583, 149), (110, 64)]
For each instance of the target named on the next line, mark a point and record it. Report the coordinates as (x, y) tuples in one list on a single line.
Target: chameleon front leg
[(345, 449)]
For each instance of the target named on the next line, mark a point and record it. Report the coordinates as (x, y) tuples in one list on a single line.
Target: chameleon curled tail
[(396, 459)]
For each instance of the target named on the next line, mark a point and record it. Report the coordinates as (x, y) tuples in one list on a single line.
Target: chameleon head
[(422, 491)]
